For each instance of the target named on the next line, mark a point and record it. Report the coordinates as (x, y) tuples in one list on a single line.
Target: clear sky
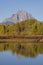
[(9, 7)]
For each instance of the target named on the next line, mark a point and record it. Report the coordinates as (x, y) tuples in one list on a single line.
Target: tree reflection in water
[(24, 49)]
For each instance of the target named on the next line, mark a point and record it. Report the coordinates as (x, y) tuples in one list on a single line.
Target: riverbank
[(25, 39), (22, 36)]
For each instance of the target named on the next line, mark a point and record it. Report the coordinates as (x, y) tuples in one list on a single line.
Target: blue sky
[(9, 7)]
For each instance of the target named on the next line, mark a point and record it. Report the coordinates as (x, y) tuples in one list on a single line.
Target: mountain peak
[(19, 16)]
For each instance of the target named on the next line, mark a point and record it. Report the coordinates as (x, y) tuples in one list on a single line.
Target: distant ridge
[(7, 22)]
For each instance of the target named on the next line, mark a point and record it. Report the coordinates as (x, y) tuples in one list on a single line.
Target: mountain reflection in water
[(23, 49)]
